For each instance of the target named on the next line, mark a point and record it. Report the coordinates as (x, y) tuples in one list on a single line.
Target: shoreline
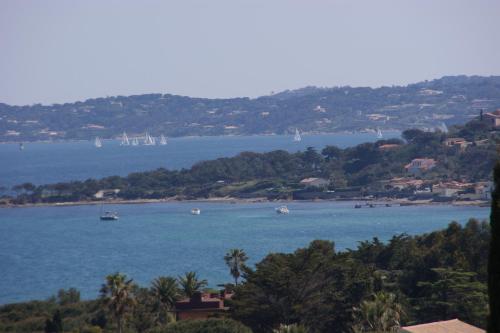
[(231, 200)]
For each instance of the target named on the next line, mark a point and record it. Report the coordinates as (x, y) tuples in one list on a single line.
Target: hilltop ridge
[(451, 99)]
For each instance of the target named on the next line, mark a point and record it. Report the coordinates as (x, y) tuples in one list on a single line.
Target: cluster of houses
[(445, 189)]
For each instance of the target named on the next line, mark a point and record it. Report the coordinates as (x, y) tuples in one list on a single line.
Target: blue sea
[(43, 249), (42, 163)]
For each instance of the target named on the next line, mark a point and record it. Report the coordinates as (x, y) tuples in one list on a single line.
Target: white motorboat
[(282, 210)]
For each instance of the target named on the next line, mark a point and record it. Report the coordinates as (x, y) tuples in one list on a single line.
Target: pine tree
[(494, 258)]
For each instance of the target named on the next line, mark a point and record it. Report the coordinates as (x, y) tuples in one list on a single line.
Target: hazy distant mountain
[(452, 100)]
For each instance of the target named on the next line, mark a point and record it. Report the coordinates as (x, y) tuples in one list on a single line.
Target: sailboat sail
[(379, 133), (297, 137), (135, 142), (149, 140), (97, 142), (163, 140), (125, 140)]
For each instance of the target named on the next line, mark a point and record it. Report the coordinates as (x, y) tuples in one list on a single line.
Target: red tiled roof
[(448, 326)]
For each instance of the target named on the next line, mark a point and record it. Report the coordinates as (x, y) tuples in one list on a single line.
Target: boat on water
[(97, 142), (21, 146), (357, 206), (149, 140), (135, 142), (125, 141), (109, 216), (379, 134), (195, 211), (283, 210), (163, 140), (297, 137)]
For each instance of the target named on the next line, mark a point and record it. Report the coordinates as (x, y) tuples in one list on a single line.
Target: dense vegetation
[(454, 100), (441, 275), (410, 279), (276, 175)]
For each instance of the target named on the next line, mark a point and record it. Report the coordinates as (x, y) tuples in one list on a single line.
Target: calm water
[(42, 163), (46, 248)]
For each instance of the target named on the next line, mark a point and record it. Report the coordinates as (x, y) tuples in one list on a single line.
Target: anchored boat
[(282, 210)]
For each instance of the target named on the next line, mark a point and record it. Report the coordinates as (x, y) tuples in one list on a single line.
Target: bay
[(43, 163), (43, 249)]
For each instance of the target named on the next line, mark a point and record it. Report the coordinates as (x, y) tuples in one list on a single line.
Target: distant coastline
[(450, 100)]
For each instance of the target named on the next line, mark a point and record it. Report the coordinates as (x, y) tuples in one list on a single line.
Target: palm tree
[(165, 291), (117, 297), (381, 314), (190, 284), (235, 260)]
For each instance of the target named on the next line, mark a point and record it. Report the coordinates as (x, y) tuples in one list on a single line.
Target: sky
[(63, 51)]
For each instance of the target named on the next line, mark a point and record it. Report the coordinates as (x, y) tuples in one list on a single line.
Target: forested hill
[(364, 169), (452, 100)]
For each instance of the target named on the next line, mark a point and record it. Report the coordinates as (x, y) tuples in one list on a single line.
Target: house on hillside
[(492, 118), (401, 183), (457, 142), (447, 326), (420, 165), (315, 182), (451, 189), (202, 306), (483, 142)]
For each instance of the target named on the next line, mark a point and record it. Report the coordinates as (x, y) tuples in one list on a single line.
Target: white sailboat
[(297, 137), (443, 128), (97, 142), (135, 142), (379, 134), (149, 140), (125, 141), (163, 140)]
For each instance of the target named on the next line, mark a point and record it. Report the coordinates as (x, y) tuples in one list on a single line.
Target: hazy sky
[(60, 51)]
